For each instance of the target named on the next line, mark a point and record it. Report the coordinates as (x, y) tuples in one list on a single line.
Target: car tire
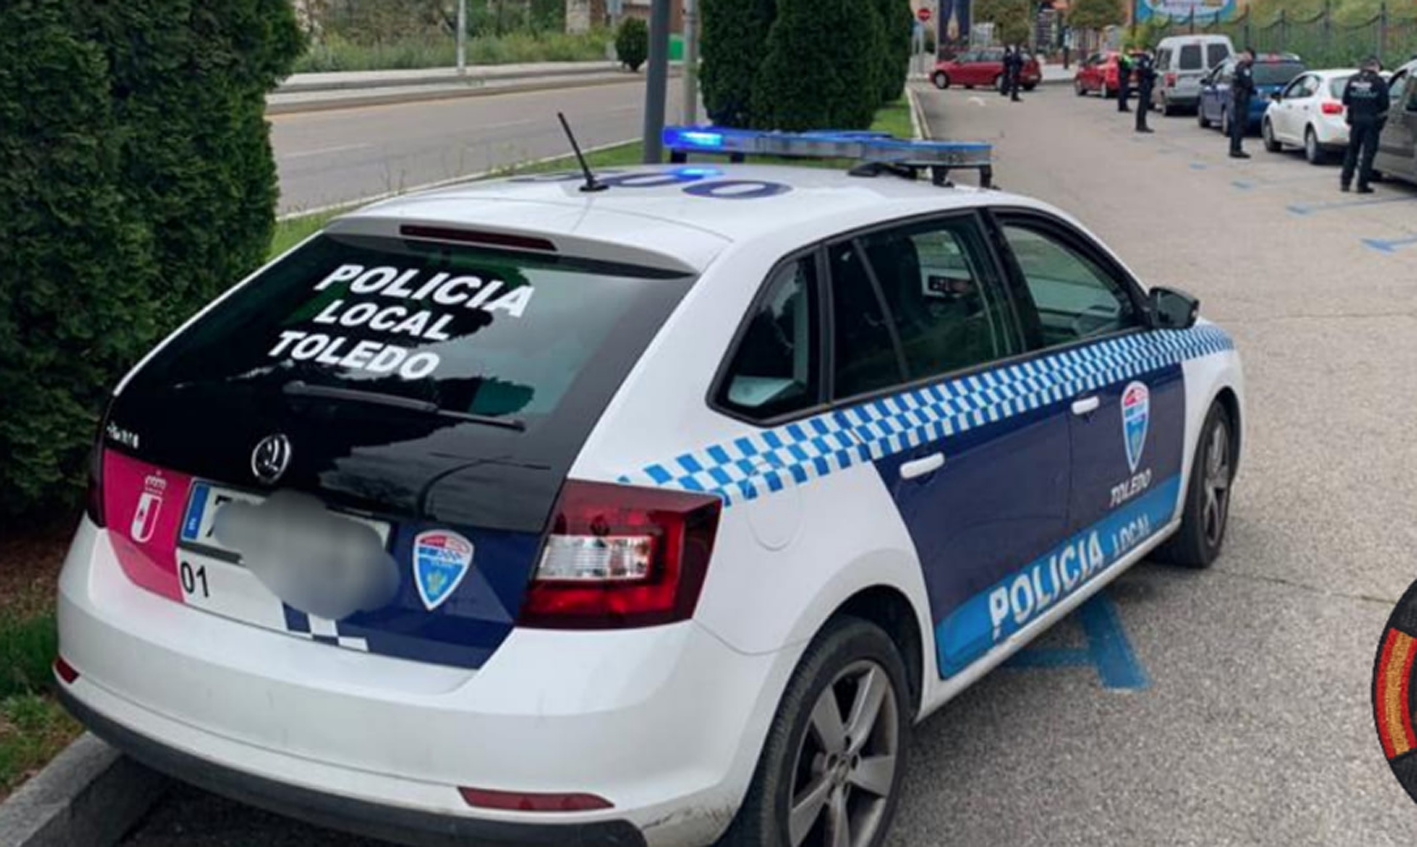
[(1078, 88), (848, 657), (1198, 542), (1267, 133), (941, 80), (1225, 122), (999, 83), (1313, 153), (1167, 109), (1201, 118), (1030, 86)]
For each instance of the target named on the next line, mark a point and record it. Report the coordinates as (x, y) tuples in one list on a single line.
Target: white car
[(525, 514), (1309, 114)]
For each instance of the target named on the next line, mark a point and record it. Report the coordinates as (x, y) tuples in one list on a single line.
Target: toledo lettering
[(424, 310)]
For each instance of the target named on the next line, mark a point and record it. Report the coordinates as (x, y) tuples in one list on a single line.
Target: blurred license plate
[(212, 575)]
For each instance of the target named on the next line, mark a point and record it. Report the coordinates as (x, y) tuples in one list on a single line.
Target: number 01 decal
[(193, 579)]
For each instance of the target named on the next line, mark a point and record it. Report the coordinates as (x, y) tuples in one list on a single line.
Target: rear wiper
[(298, 388)]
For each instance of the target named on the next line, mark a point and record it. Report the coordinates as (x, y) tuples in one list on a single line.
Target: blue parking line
[(1243, 184), (1108, 649), (1199, 166), (1311, 208), (1389, 245)]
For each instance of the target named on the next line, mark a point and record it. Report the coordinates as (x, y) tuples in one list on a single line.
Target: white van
[(1181, 62)]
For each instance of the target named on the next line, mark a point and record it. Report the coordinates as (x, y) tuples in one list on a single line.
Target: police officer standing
[(1242, 90), (1005, 83), (1146, 79), (1013, 67), (1124, 81), (1366, 100)]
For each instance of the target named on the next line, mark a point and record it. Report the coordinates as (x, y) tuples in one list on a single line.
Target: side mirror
[(1276, 96), (1172, 309)]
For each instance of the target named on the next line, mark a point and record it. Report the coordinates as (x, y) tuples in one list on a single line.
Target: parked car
[(1182, 62), (1397, 152), (1099, 73), (1308, 113), (983, 67), (1273, 71)]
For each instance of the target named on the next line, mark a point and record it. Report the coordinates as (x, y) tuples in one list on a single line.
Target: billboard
[(1182, 9), (953, 21)]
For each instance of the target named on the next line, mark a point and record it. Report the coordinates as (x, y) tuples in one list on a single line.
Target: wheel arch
[(887, 607), (1230, 401)]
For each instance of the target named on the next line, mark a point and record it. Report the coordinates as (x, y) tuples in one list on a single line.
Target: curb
[(918, 124), (453, 91), (90, 795)]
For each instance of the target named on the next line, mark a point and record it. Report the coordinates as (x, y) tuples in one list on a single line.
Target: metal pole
[(656, 81), (462, 37), (691, 63), (1382, 30)]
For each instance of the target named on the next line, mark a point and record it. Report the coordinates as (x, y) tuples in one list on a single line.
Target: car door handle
[(920, 467), (1086, 405)]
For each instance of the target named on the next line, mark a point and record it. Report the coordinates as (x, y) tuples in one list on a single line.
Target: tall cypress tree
[(822, 69), (896, 26), (732, 41)]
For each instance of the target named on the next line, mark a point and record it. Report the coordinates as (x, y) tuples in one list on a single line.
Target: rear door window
[(1215, 54), (864, 349), (1276, 73), (443, 327), (1191, 57), (775, 369)]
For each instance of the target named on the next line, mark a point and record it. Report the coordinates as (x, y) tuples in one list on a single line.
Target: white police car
[(520, 514)]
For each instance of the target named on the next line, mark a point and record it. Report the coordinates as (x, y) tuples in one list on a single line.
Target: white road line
[(323, 151)]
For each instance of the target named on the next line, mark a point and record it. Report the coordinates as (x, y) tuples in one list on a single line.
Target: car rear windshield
[(1276, 73), (439, 326), (1336, 86), (1191, 57)]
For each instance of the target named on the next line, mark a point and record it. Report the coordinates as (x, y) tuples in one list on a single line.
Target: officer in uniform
[(1146, 79), (1242, 89), (1124, 81), (1013, 66), (1008, 71), (1366, 100)]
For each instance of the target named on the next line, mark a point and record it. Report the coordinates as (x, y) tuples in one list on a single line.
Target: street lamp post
[(462, 37), (691, 63), (656, 81)]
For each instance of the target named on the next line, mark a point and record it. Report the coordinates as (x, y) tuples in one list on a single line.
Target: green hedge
[(732, 33), (136, 183), (822, 69), (632, 43)]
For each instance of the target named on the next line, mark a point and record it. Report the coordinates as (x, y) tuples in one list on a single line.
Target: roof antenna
[(591, 184)]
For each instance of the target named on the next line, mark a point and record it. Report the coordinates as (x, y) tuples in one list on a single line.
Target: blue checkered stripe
[(769, 461)]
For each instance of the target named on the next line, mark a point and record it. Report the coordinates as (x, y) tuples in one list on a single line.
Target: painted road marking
[(1107, 650), (325, 151), (1312, 208), (1389, 245)]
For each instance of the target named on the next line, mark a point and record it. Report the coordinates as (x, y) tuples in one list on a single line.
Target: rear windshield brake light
[(472, 236), (618, 557)]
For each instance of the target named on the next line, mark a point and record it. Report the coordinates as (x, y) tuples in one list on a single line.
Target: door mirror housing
[(1172, 309), (1276, 96)]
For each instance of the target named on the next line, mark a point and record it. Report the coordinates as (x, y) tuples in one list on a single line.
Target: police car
[(521, 513)]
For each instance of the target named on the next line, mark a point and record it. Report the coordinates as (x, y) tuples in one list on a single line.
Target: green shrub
[(137, 183), (821, 70), (731, 30), (632, 43), (897, 25), (335, 53)]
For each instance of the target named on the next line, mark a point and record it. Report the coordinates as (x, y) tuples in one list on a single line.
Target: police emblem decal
[(440, 561), (270, 458), (149, 505), (1136, 414), (1393, 686)]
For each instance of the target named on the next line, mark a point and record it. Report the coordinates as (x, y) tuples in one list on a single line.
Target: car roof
[(663, 225)]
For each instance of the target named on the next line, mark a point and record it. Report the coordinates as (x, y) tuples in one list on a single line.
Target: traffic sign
[(923, 14)]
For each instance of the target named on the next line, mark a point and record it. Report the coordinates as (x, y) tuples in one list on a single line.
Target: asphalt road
[(1252, 723), (326, 158)]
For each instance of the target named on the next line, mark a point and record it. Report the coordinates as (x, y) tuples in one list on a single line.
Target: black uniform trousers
[(1143, 105), (1124, 90), (1362, 147), (1239, 122)]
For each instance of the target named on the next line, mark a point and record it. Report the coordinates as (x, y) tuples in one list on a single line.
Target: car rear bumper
[(664, 723)]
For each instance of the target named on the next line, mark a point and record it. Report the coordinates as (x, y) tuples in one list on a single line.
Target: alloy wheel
[(846, 761), (1215, 506)]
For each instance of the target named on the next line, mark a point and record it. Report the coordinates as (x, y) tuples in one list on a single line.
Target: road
[(326, 158), (1247, 720)]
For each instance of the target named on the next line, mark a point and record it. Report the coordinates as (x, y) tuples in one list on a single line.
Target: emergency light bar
[(877, 151)]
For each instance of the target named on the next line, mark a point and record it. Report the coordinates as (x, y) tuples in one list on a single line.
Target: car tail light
[(1170, 81), (1332, 108), (515, 801), (65, 671), (618, 556)]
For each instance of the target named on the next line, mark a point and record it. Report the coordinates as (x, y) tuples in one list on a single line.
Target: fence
[(1324, 39)]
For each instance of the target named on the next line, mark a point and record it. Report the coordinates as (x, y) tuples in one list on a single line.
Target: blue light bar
[(829, 144)]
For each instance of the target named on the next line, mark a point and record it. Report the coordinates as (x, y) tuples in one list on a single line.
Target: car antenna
[(591, 183)]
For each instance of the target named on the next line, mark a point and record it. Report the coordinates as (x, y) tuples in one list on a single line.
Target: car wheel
[(1312, 151), (999, 83), (1270, 144), (831, 766), (1197, 543), (1225, 122), (1029, 86), (1167, 109), (1201, 118), (1078, 89), (942, 80)]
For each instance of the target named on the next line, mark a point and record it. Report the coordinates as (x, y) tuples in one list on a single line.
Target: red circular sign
[(923, 14)]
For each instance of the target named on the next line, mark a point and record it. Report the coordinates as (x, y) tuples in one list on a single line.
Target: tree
[(632, 43), (732, 39), (896, 29), (1012, 19), (1096, 14), (820, 71)]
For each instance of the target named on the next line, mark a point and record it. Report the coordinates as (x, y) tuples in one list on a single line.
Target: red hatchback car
[(982, 67), (1099, 73)]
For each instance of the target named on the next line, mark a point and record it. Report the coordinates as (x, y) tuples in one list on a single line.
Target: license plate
[(212, 575)]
